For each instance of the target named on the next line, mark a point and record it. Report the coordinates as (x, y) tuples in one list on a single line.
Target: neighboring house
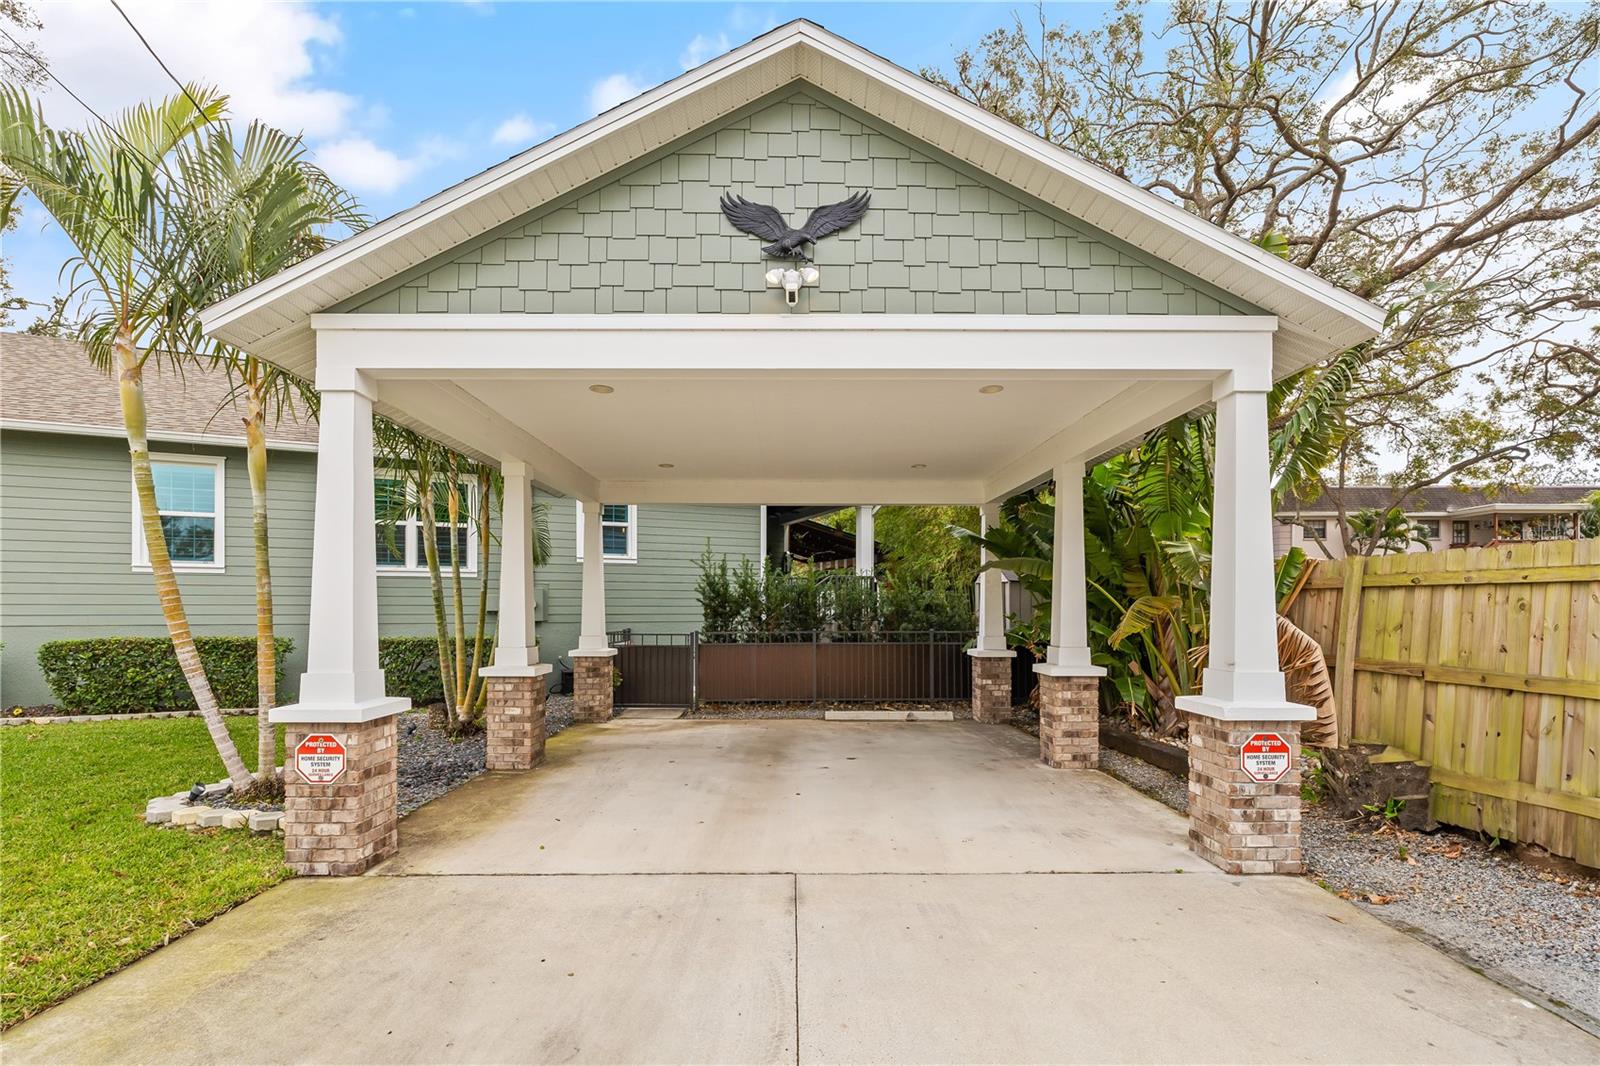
[(71, 554), (1446, 517)]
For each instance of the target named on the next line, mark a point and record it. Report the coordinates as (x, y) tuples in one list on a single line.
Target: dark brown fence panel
[(799, 668), (657, 669)]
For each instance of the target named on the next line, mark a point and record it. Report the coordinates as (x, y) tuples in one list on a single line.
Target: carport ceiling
[(774, 425)]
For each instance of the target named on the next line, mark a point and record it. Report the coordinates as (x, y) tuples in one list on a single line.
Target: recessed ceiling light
[(666, 466), (603, 390), (919, 466), (990, 390)]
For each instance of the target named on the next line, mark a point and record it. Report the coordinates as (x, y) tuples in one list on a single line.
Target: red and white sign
[(1265, 757), (320, 758)]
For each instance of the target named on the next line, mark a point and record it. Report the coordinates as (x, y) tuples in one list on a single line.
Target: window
[(619, 532), (1460, 533), (1315, 527), (189, 491), (400, 548), (1428, 527)]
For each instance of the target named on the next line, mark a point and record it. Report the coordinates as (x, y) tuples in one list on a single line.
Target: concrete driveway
[(797, 891)]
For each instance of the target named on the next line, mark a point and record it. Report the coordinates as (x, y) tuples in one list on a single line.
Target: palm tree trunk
[(453, 514), (430, 552), (484, 488), (266, 649), (131, 387)]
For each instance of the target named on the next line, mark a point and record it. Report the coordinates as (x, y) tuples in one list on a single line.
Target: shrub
[(411, 668), (126, 675)]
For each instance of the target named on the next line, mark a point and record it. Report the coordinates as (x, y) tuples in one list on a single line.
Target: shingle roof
[(1440, 499), (49, 380)]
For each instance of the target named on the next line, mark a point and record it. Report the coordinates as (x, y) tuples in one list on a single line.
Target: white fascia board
[(1123, 193), (217, 318), (1483, 509), (816, 51), (215, 440), (793, 491), (391, 347)]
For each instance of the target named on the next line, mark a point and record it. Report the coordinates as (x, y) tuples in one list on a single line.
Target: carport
[(1002, 315)]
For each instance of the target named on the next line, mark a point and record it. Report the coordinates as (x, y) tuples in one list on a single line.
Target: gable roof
[(48, 384), (272, 318)]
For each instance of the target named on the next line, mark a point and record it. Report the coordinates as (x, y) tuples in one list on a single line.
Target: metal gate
[(658, 669)]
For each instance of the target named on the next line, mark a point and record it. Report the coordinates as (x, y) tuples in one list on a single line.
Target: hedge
[(411, 668), (126, 675)]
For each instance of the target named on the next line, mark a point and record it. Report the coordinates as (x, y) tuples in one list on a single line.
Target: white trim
[(141, 552), (416, 564), (633, 535), (339, 713), (269, 317), (219, 440)]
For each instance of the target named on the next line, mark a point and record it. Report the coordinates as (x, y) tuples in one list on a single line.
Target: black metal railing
[(832, 666)]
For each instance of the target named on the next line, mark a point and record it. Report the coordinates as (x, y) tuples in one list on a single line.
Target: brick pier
[(991, 688), (591, 687), (1236, 824), (1069, 722), (514, 719), (347, 826)]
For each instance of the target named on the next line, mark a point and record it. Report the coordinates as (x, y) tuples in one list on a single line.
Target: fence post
[(930, 666), (694, 671), (1349, 634)]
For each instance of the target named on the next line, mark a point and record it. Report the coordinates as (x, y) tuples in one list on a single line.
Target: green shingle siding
[(66, 514), (937, 238)]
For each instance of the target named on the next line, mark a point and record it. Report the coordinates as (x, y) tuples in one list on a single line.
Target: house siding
[(939, 237), (66, 514)]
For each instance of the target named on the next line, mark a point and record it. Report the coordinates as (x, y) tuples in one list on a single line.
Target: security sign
[(320, 758), (1265, 757)]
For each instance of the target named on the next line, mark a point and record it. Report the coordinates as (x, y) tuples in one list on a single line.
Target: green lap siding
[(939, 237), (66, 549)]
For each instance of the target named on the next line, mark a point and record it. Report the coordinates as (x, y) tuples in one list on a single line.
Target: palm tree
[(258, 206), (113, 193), (1390, 532)]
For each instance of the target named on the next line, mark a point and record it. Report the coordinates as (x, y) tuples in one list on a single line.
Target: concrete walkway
[(796, 891)]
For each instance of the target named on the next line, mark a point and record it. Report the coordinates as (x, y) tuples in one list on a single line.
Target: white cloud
[(702, 48), (364, 166), (612, 90), (263, 55), (520, 129)]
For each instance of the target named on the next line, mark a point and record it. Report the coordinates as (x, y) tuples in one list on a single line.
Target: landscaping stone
[(233, 819), (186, 816), (210, 818), (263, 821)]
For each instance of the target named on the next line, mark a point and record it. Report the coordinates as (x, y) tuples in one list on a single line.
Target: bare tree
[(1441, 159)]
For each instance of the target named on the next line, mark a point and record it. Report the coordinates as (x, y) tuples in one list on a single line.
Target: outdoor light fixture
[(792, 279), (990, 390), (602, 390)]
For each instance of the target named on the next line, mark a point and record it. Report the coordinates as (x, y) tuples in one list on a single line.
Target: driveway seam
[(796, 969), (795, 873)]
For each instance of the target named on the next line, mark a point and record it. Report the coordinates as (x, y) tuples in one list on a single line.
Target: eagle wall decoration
[(766, 222)]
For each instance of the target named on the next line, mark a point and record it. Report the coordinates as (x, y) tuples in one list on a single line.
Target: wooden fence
[(1484, 665)]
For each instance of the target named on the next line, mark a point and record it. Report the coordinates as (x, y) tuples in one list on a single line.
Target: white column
[(592, 627), (1242, 681), (991, 594), (342, 682), (866, 542), (1068, 655), (515, 646)]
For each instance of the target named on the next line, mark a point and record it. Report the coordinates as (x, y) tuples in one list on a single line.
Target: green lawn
[(85, 886)]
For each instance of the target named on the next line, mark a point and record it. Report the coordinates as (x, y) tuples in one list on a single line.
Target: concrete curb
[(78, 719)]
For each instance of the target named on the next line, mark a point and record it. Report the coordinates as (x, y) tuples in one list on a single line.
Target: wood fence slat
[(1485, 662)]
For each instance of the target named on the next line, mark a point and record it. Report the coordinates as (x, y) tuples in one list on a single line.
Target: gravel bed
[(430, 763), (1153, 781), (1537, 927)]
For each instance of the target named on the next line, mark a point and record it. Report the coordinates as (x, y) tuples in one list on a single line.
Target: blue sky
[(401, 99)]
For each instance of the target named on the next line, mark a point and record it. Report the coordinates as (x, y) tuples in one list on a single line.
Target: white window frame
[(1421, 526), (633, 535), (141, 550), (411, 543), (1321, 530)]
